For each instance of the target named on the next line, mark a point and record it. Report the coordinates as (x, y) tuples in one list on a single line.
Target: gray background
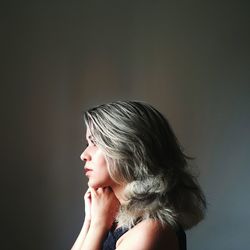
[(190, 59)]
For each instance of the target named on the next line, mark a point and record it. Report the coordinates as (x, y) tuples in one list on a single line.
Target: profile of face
[(95, 164)]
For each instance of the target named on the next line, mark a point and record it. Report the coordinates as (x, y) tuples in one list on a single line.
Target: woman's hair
[(142, 151)]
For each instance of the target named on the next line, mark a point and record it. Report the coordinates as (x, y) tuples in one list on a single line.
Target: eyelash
[(92, 142)]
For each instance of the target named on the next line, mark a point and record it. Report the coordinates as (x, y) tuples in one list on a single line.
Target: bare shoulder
[(148, 235)]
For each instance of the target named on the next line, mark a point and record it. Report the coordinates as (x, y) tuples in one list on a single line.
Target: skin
[(102, 201), (95, 164)]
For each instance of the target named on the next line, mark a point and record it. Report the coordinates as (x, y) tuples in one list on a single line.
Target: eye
[(90, 141), (93, 142)]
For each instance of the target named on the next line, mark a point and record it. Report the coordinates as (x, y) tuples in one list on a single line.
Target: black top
[(112, 237), (115, 234)]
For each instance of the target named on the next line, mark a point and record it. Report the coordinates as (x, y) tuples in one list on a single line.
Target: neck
[(119, 192)]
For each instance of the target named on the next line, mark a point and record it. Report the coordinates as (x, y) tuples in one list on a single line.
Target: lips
[(87, 170)]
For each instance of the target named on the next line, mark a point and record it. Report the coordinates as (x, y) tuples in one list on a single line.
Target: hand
[(87, 203), (104, 206)]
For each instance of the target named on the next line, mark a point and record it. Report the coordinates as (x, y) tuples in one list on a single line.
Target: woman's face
[(95, 164)]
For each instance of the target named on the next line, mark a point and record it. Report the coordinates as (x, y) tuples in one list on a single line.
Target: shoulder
[(148, 235)]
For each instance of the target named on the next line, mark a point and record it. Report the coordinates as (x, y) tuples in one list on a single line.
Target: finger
[(107, 189), (99, 190), (93, 192), (88, 193), (87, 196)]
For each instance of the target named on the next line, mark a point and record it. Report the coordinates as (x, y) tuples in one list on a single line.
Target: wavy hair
[(143, 152)]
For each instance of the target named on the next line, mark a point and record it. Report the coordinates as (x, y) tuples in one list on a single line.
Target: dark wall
[(190, 59)]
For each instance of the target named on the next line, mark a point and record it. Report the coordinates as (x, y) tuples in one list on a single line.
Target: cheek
[(99, 160), (102, 162), (100, 176), (101, 168)]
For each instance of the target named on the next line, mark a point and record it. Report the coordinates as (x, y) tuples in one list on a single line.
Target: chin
[(95, 185)]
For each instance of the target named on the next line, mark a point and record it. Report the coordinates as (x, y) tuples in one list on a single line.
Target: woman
[(141, 193)]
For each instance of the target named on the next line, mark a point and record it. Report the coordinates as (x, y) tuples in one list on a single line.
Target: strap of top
[(181, 235)]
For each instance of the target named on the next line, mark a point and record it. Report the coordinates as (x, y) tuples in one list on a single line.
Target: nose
[(85, 156)]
